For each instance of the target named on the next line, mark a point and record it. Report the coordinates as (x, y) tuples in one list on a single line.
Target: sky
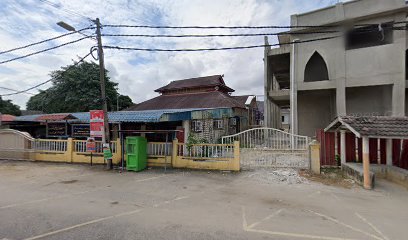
[(140, 73)]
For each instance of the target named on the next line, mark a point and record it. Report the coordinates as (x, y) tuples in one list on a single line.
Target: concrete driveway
[(58, 201)]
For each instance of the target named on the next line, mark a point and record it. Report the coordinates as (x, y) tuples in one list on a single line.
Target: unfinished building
[(350, 59)]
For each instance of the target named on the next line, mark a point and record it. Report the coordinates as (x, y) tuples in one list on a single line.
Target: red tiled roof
[(208, 81), (7, 117), (55, 117), (197, 100)]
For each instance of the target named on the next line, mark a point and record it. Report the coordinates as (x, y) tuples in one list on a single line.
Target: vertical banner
[(96, 123)]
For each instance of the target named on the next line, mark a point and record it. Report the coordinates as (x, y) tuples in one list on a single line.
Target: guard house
[(382, 147)]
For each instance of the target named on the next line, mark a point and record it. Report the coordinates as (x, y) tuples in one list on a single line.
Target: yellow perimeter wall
[(70, 156)]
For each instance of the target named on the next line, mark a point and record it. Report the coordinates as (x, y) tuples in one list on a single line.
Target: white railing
[(206, 151), (50, 145), (80, 146), (268, 138), (159, 149)]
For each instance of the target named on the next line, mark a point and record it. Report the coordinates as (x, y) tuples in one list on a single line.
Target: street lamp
[(105, 136), (66, 26), (70, 28)]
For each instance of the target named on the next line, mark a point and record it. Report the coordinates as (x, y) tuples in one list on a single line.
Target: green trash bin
[(136, 153)]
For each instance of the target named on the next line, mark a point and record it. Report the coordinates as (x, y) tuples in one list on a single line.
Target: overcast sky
[(139, 73)]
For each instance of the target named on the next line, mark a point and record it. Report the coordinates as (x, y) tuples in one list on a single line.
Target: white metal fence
[(206, 151), (80, 146), (269, 147), (268, 138), (159, 148), (50, 145)]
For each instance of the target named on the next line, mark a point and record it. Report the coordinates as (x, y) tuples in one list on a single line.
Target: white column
[(343, 146), (366, 163), (293, 90), (389, 152), (186, 127), (143, 127)]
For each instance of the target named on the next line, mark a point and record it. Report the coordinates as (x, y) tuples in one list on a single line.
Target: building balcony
[(280, 97)]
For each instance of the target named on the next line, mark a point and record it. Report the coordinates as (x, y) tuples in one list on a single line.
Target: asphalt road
[(59, 201)]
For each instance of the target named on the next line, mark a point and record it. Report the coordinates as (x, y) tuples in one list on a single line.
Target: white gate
[(270, 147), (16, 145)]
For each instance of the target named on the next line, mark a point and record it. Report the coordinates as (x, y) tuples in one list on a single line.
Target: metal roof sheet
[(122, 116)]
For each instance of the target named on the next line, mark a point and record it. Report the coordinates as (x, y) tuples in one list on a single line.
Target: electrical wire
[(233, 27), (214, 49), (44, 50), (209, 35), (40, 84), (46, 40), (73, 13), (10, 89), (232, 35)]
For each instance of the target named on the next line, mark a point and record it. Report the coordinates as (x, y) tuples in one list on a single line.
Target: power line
[(73, 13), (44, 50), (10, 89), (46, 40), (235, 27), (236, 35), (49, 80), (210, 35), (214, 49)]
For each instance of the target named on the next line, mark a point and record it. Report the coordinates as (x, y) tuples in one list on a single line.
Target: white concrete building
[(360, 71)]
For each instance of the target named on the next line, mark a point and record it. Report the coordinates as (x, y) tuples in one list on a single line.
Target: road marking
[(313, 193), (169, 201), (99, 220), (250, 228), (372, 226), (297, 235), (265, 219), (71, 194), (346, 225), (83, 224)]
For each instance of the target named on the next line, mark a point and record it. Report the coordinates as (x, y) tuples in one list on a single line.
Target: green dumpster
[(136, 153)]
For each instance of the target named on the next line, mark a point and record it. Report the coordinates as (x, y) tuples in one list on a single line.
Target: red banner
[(96, 123)]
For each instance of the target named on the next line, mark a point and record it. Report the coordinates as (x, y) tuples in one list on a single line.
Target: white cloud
[(139, 73)]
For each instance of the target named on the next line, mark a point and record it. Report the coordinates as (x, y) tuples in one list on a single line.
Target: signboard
[(90, 145), (96, 123), (80, 130), (56, 129)]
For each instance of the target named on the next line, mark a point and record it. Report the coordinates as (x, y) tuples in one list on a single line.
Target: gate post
[(315, 157), (174, 153), (237, 160), (70, 150)]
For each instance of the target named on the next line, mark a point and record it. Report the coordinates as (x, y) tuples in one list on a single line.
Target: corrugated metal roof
[(55, 117), (188, 101), (7, 117), (190, 83), (28, 118), (127, 116), (124, 116)]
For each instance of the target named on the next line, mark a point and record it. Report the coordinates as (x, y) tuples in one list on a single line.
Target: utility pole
[(105, 137)]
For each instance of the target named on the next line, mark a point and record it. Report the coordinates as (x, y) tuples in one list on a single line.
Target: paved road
[(58, 201)]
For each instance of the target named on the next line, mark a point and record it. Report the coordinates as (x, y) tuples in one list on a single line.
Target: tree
[(7, 107), (76, 88)]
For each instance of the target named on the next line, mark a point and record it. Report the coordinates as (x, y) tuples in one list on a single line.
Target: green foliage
[(7, 107), (193, 139), (77, 89)]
